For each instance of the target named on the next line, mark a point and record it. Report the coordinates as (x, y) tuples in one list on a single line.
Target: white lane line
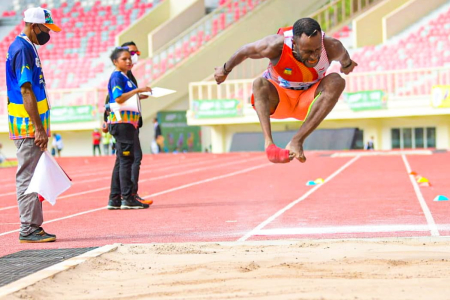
[(144, 168), (378, 153), (207, 180), (150, 163), (8, 207), (95, 175), (59, 219), (8, 187), (156, 194), (150, 179), (290, 205), (7, 194), (426, 211), (172, 167), (349, 229)]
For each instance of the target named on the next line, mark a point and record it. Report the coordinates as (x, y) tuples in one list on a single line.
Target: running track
[(241, 196)]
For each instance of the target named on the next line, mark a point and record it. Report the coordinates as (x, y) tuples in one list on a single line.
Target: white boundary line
[(8, 207), (144, 170), (59, 219), (8, 194), (53, 270), (349, 229), (207, 180), (379, 153), (149, 179), (426, 211), (157, 194), (290, 205)]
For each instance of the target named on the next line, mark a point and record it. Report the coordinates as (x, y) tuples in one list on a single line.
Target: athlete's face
[(123, 62), (307, 49)]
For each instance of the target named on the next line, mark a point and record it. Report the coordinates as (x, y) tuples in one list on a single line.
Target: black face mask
[(42, 37)]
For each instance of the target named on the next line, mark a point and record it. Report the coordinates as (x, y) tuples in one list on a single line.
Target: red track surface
[(230, 197)]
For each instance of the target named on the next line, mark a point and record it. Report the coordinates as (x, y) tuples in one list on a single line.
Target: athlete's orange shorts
[(293, 103)]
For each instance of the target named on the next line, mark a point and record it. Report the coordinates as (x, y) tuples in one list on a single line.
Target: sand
[(397, 269)]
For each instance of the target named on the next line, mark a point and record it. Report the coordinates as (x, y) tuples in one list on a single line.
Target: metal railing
[(339, 12), (397, 84)]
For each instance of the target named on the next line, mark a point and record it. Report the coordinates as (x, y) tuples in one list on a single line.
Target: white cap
[(39, 15)]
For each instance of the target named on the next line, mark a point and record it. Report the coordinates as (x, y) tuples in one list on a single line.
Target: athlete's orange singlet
[(290, 73)]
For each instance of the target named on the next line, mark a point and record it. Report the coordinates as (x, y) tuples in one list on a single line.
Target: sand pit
[(416, 268)]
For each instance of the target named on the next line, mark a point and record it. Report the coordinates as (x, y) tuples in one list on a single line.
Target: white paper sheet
[(158, 92), (48, 180), (132, 104)]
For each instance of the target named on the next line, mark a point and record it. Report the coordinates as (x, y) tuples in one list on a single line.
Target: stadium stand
[(426, 47), (78, 58), (193, 38), (72, 57), (423, 47), (89, 31)]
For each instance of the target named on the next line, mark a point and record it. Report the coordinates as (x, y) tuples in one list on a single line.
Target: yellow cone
[(319, 180), (422, 179)]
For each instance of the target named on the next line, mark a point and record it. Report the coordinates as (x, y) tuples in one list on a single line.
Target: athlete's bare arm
[(30, 104), (337, 52), (269, 47)]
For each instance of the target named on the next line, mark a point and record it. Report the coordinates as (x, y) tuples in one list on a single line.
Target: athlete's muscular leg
[(331, 87), (266, 101)]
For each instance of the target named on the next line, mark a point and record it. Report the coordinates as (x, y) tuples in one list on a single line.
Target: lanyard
[(128, 79), (137, 95), (23, 36)]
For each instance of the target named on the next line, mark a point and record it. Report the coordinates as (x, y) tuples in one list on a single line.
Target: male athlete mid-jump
[(295, 85)]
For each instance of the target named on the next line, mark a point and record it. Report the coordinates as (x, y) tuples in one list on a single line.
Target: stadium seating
[(70, 58), (228, 12), (426, 47)]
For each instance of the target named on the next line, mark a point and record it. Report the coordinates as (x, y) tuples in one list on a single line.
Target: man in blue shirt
[(29, 116)]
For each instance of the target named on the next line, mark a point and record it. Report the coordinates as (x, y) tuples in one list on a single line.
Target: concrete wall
[(404, 16), (138, 32), (367, 28), (152, 31), (183, 14)]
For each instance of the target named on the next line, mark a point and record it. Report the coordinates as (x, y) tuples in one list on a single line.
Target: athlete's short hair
[(307, 26)]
